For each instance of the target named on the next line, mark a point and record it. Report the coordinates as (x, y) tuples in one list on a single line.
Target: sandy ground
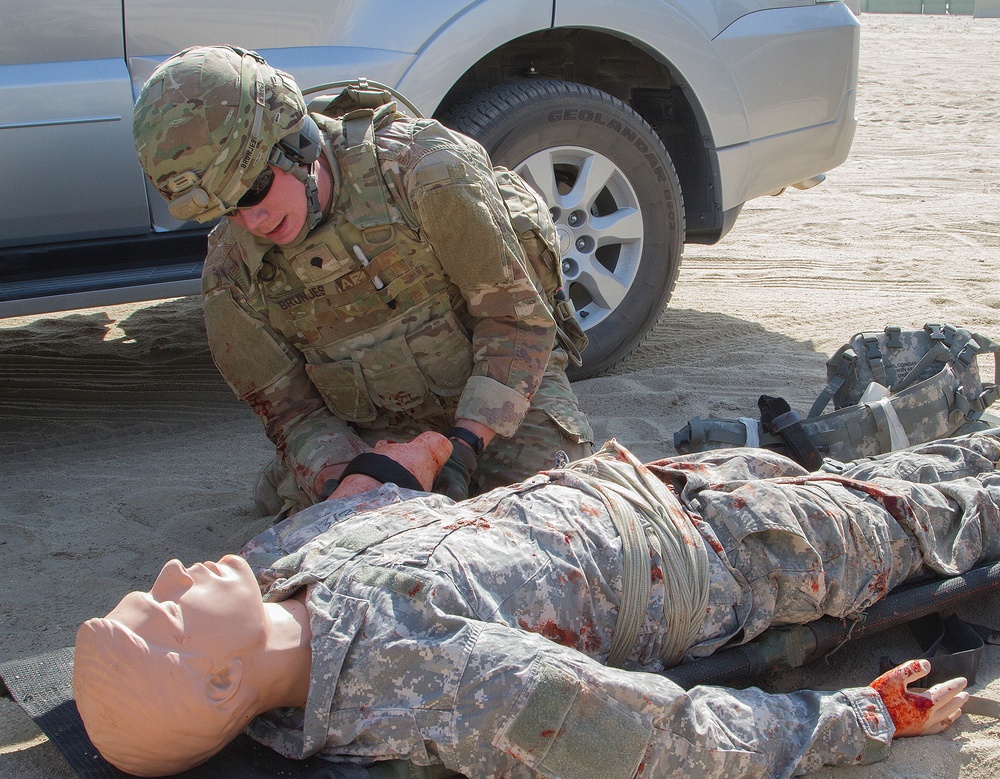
[(122, 447)]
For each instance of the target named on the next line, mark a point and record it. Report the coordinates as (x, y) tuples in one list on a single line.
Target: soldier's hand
[(920, 713), (455, 478)]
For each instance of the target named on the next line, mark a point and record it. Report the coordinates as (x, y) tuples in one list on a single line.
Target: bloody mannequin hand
[(920, 713), (423, 457)]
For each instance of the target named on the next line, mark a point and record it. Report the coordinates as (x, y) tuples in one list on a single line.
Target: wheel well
[(623, 69)]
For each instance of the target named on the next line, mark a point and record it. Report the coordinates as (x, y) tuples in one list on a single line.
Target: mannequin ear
[(223, 684)]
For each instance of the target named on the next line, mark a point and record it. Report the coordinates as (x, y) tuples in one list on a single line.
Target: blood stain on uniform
[(552, 632), (476, 523)]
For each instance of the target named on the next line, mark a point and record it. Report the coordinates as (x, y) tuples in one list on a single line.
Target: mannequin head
[(165, 680)]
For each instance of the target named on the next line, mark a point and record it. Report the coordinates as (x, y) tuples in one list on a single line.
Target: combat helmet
[(209, 121)]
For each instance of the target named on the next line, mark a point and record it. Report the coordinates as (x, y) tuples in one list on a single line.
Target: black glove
[(456, 474)]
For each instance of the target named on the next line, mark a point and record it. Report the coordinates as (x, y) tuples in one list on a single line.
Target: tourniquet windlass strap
[(383, 469)]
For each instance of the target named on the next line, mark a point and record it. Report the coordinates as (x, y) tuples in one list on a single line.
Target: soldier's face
[(279, 217)]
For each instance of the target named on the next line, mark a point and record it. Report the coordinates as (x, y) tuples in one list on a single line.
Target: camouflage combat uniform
[(474, 634), (411, 305)]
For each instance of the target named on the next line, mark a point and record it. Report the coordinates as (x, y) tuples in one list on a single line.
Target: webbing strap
[(753, 431), (991, 391), (843, 363), (937, 353), (777, 417), (367, 203), (891, 433), (873, 354)]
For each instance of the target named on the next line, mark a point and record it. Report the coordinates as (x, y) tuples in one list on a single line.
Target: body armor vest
[(366, 301)]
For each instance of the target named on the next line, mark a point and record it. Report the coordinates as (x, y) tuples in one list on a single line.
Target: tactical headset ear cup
[(303, 147)]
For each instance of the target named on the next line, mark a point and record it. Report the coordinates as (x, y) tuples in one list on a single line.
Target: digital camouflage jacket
[(473, 634)]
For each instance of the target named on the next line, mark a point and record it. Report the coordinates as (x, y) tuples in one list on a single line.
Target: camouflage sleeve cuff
[(493, 404), (875, 722), (317, 443)]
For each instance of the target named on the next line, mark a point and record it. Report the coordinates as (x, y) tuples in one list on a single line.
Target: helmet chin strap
[(306, 174)]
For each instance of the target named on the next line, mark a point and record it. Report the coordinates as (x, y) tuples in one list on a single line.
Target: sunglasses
[(258, 190)]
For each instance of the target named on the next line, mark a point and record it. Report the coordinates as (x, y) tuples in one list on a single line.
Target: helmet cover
[(205, 124)]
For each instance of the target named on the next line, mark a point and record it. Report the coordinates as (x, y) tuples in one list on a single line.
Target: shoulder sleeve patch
[(460, 225)]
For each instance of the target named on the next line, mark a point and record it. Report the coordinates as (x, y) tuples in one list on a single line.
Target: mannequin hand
[(456, 475), (423, 456), (920, 713)]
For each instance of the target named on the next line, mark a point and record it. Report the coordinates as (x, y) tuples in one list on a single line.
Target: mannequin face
[(212, 609), (279, 217)]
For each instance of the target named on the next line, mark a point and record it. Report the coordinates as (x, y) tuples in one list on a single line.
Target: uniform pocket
[(443, 353), (556, 399), (564, 728), (807, 550), (392, 376), (343, 389), (785, 572)]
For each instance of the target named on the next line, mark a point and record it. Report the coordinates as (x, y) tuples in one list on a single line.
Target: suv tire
[(613, 194)]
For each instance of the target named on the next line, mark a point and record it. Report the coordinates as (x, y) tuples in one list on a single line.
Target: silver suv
[(645, 124)]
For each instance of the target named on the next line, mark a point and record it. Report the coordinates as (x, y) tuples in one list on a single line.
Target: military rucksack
[(889, 390), (361, 108)]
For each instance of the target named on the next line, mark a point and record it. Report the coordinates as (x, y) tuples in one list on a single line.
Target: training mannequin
[(385, 636)]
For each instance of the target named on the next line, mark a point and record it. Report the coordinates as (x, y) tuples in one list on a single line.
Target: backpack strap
[(842, 364), (939, 352), (991, 391), (873, 356), (368, 197)]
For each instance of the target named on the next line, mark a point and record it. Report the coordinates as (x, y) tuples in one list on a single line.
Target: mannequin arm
[(422, 456)]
